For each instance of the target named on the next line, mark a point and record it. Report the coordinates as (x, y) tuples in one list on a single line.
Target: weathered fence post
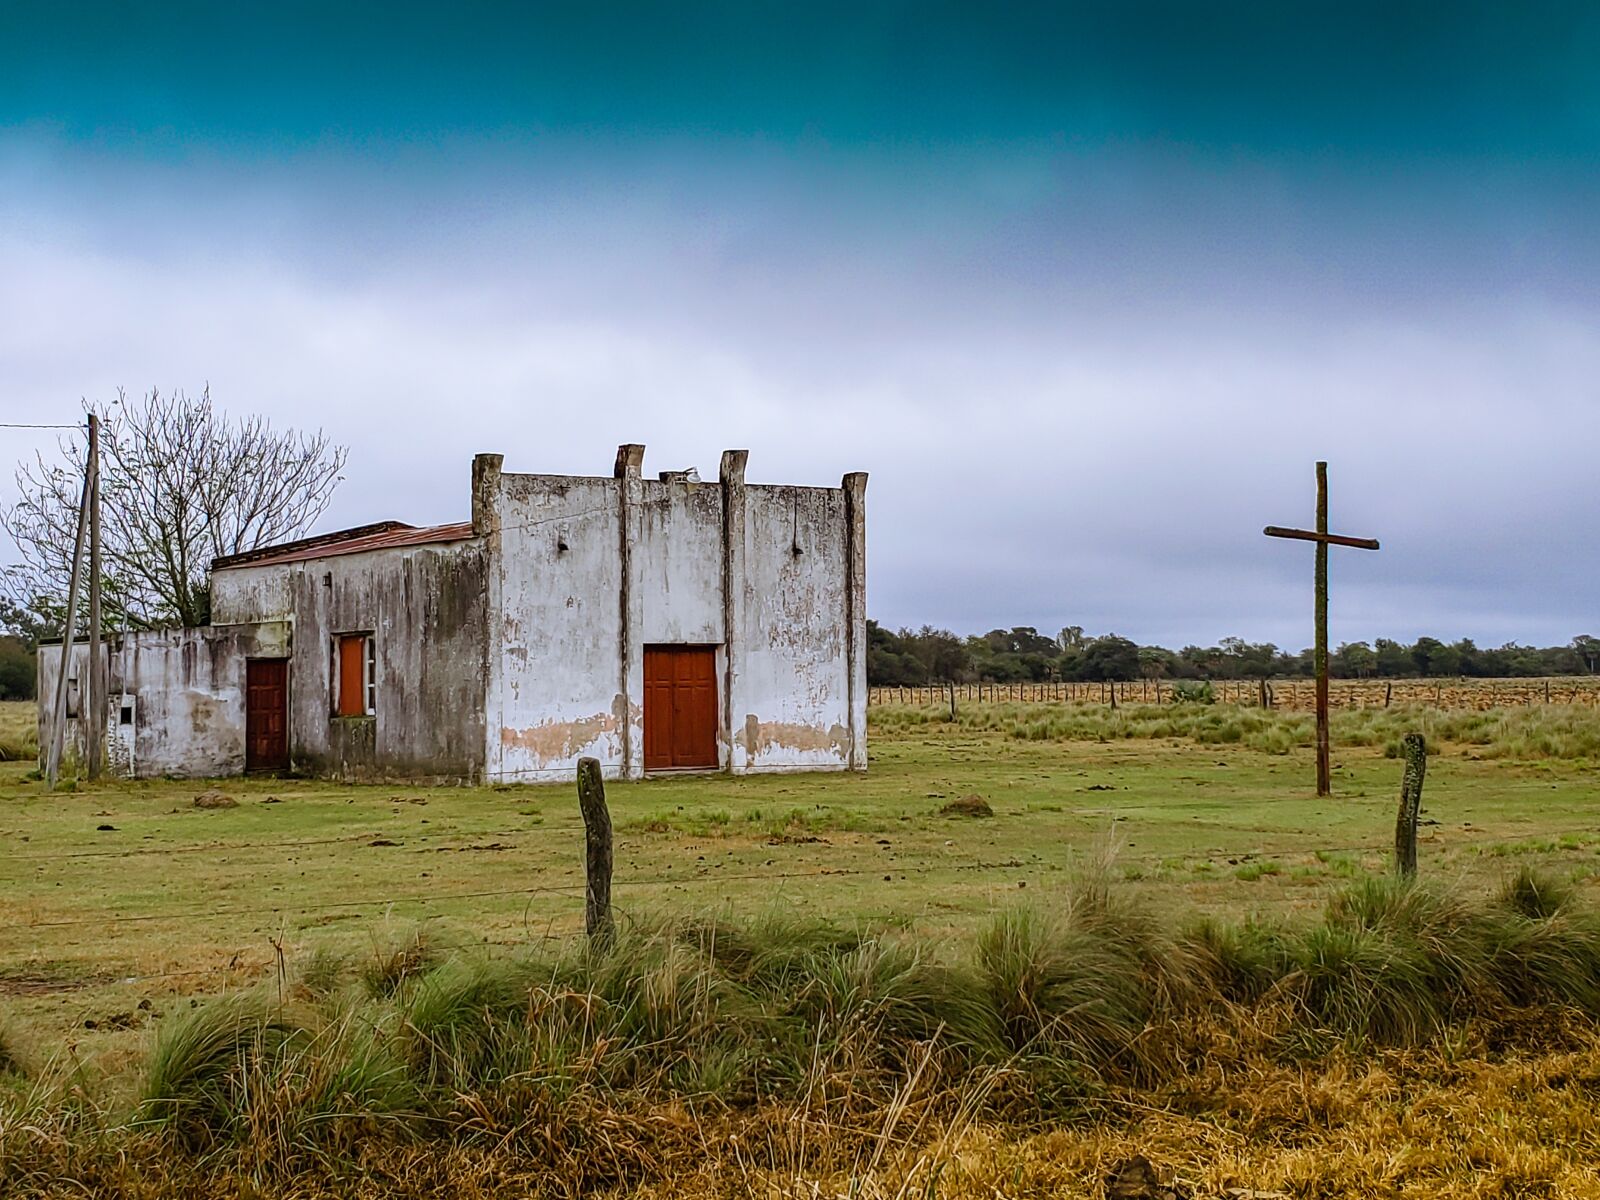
[(952, 700), (597, 852), (1415, 752)]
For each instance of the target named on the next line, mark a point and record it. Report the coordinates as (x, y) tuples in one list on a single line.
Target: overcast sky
[(1086, 289)]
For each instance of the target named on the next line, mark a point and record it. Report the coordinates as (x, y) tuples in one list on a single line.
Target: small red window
[(355, 690)]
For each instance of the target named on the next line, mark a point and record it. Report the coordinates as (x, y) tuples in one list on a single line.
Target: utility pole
[(95, 727), (58, 730)]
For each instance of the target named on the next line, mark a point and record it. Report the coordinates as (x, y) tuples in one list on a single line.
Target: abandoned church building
[(655, 624)]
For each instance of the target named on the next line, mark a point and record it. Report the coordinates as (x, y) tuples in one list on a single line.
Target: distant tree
[(17, 672), (943, 655), (1353, 660), (1242, 659), (1110, 657), (1202, 662), (890, 662), (1155, 662), (1393, 658), (26, 624), (1587, 649), (181, 484)]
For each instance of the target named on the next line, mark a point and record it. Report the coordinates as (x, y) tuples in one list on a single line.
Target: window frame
[(368, 686)]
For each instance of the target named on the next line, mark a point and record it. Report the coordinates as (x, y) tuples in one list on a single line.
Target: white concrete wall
[(792, 703), (680, 562), (427, 609), (252, 593), (555, 642), (186, 691), (589, 571)]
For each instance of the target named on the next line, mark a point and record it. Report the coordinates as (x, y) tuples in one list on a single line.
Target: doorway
[(680, 707), (266, 714)]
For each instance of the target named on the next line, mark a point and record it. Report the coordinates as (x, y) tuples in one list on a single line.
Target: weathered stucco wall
[(680, 562), (513, 653), (590, 571), (427, 609), (262, 593), (791, 703), (557, 691), (183, 690)]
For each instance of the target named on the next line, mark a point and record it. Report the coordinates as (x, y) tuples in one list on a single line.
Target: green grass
[(739, 1027), (374, 885), (1108, 987), (19, 731), (1555, 731), (108, 933)]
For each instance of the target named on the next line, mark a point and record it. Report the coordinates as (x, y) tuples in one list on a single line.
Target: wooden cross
[(1323, 539)]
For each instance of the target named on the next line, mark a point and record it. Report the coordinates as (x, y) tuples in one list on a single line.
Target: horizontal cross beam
[(1311, 535)]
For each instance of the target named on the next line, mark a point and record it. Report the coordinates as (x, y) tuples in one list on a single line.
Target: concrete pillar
[(855, 509), (486, 524), (629, 473), (486, 493), (733, 606)]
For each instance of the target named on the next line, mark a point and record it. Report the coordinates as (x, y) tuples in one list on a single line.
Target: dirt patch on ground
[(45, 981), (968, 806)]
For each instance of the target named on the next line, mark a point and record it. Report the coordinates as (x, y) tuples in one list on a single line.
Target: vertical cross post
[(1320, 653), (1323, 540)]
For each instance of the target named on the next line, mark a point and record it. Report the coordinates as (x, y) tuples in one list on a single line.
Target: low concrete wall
[(175, 704)]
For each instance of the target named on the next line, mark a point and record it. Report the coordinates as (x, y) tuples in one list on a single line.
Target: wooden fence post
[(597, 853), (1415, 752)]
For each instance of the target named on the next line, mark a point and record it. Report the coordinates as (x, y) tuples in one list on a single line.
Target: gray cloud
[(1084, 425)]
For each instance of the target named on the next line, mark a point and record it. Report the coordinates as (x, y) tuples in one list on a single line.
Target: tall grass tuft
[(1087, 981), (460, 1022), (396, 959), (202, 1062)]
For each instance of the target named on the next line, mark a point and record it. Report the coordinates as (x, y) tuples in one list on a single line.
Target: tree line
[(911, 658)]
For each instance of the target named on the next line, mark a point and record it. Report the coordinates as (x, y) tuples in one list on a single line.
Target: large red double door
[(680, 707)]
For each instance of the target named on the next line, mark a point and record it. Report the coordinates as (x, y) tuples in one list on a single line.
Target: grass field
[(1289, 695), (122, 904), (19, 731)]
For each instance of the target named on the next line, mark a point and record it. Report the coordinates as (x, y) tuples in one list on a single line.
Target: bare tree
[(181, 483)]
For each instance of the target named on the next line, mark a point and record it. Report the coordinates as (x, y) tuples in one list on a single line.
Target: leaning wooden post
[(58, 730), (1415, 752), (597, 852), (952, 700)]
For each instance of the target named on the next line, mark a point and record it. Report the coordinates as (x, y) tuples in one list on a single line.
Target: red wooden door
[(680, 707), (266, 714)]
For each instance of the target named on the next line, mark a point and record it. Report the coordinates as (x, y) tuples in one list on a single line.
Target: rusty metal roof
[(383, 535)]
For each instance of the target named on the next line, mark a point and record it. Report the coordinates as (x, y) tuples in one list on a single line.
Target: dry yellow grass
[(1466, 1120), (19, 730)]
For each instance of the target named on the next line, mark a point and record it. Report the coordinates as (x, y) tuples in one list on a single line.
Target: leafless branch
[(181, 484)]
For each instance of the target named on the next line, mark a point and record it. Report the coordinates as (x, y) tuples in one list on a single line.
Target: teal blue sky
[(1087, 288)]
